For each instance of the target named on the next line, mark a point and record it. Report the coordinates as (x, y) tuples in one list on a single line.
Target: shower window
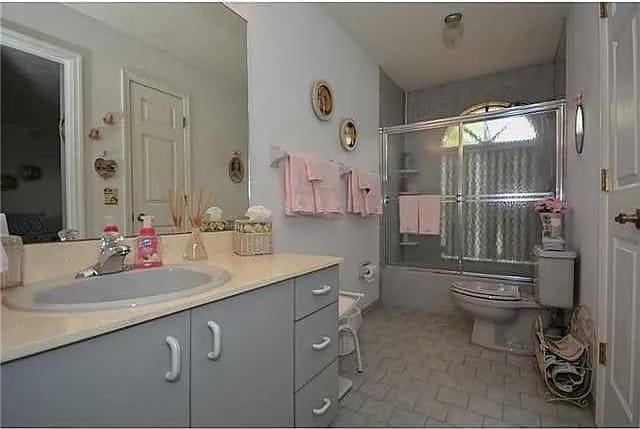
[(488, 171)]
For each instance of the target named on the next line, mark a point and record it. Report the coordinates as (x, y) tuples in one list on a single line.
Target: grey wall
[(391, 101), (583, 171), (560, 65), (289, 47), (526, 85)]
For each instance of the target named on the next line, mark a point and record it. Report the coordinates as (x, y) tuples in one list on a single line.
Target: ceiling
[(205, 35), (405, 39)]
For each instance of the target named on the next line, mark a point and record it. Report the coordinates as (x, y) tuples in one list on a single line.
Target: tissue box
[(252, 238)]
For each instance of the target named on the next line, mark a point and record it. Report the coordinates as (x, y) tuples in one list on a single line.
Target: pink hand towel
[(371, 194), (354, 198), (408, 213), (325, 183), (298, 193), (429, 214)]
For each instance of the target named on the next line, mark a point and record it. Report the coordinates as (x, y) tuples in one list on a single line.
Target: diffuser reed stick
[(197, 206), (177, 207)]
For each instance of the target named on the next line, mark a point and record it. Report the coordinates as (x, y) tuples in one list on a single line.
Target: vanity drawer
[(316, 343), (315, 290), (317, 403)]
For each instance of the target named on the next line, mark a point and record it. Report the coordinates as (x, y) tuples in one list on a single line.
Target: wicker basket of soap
[(252, 238)]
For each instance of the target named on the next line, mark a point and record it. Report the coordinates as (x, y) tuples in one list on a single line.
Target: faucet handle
[(122, 249)]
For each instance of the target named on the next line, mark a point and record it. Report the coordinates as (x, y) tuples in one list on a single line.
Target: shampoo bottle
[(147, 246)]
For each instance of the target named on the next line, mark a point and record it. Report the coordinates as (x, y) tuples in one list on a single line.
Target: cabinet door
[(118, 379), (242, 360)]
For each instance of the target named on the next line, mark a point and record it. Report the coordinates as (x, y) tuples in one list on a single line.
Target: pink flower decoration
[(551, 205)]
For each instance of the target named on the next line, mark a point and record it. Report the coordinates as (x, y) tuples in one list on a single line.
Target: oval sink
[(121, 290)]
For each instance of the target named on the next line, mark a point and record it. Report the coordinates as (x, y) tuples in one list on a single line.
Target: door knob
[(632, 218)]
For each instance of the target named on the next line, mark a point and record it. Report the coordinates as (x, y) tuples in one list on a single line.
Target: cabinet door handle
[(322, 291), (215, 335), (326, 405), (173, 374), (322, 345)]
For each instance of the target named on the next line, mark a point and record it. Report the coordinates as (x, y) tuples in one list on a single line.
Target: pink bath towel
[(325, 183), (408, 213), (429, 214), (298, 193), (371, 192)]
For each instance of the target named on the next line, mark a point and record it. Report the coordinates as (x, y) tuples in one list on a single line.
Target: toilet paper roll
[(369, 272)]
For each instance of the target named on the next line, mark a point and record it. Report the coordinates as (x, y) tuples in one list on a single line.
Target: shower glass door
[(488, 171), (508, 163), (418, 165)]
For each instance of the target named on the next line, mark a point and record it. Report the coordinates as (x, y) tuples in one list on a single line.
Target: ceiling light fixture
[(453, 30)]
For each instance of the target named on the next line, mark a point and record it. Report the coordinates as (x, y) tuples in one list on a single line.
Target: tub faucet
[(110, 260)]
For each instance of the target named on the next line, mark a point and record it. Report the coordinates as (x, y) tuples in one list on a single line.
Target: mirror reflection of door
[(32, 150), (159, 152)]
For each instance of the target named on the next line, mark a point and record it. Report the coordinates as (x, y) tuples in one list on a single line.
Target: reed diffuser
[(177, 206), (196, 205)]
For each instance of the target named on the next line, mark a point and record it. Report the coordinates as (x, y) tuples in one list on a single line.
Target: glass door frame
[(557, 106)]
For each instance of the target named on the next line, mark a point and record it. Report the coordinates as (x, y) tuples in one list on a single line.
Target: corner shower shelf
[(408, 171), (409, 243)]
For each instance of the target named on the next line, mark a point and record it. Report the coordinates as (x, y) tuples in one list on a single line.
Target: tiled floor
[(421, 370)]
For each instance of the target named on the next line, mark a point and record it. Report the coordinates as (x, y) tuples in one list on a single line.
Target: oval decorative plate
[(322, 100)]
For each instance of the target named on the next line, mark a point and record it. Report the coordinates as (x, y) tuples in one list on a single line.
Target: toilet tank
[(554, 280)]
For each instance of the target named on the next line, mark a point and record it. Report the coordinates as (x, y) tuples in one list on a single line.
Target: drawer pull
[(322, 345), (215, 335), (173, 374), (320, 411), (322, 291)]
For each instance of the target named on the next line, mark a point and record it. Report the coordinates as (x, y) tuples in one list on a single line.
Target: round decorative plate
[(348, 134), (322, 100)]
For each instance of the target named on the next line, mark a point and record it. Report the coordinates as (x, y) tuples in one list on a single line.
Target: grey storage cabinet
[(242, 360), (228, 363), (119, 379), (316, 343)]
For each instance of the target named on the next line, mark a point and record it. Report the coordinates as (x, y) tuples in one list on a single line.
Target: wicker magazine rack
[(582, 330)]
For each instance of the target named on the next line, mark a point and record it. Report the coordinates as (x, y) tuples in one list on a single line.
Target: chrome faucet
[(111, 259)]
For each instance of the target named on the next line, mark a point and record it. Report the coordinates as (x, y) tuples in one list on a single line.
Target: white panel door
[(622, 370), (158, 153)]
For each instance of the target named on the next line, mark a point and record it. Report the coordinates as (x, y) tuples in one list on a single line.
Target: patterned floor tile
[(412, 379)]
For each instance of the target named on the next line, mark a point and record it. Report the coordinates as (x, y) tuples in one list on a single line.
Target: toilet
[(503, 314)]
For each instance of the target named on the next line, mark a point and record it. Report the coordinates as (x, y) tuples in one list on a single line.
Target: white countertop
[(25, 333)]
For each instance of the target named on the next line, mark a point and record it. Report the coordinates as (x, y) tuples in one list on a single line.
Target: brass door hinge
[(602, 353), (604, 179), (604, 10)]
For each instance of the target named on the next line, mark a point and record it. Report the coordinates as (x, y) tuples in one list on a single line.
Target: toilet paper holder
[(368, 272)]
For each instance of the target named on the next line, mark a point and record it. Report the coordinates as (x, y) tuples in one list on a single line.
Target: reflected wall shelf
[(409, 243)]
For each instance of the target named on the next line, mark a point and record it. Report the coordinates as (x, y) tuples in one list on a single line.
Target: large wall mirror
[(113, 109)]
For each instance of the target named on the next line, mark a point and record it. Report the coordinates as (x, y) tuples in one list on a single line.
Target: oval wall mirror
[(579, 131)]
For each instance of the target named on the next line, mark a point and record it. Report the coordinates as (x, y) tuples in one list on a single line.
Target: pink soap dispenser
[(148, 253)]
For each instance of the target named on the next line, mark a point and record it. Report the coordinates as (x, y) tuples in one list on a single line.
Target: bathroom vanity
[(260, 350)]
